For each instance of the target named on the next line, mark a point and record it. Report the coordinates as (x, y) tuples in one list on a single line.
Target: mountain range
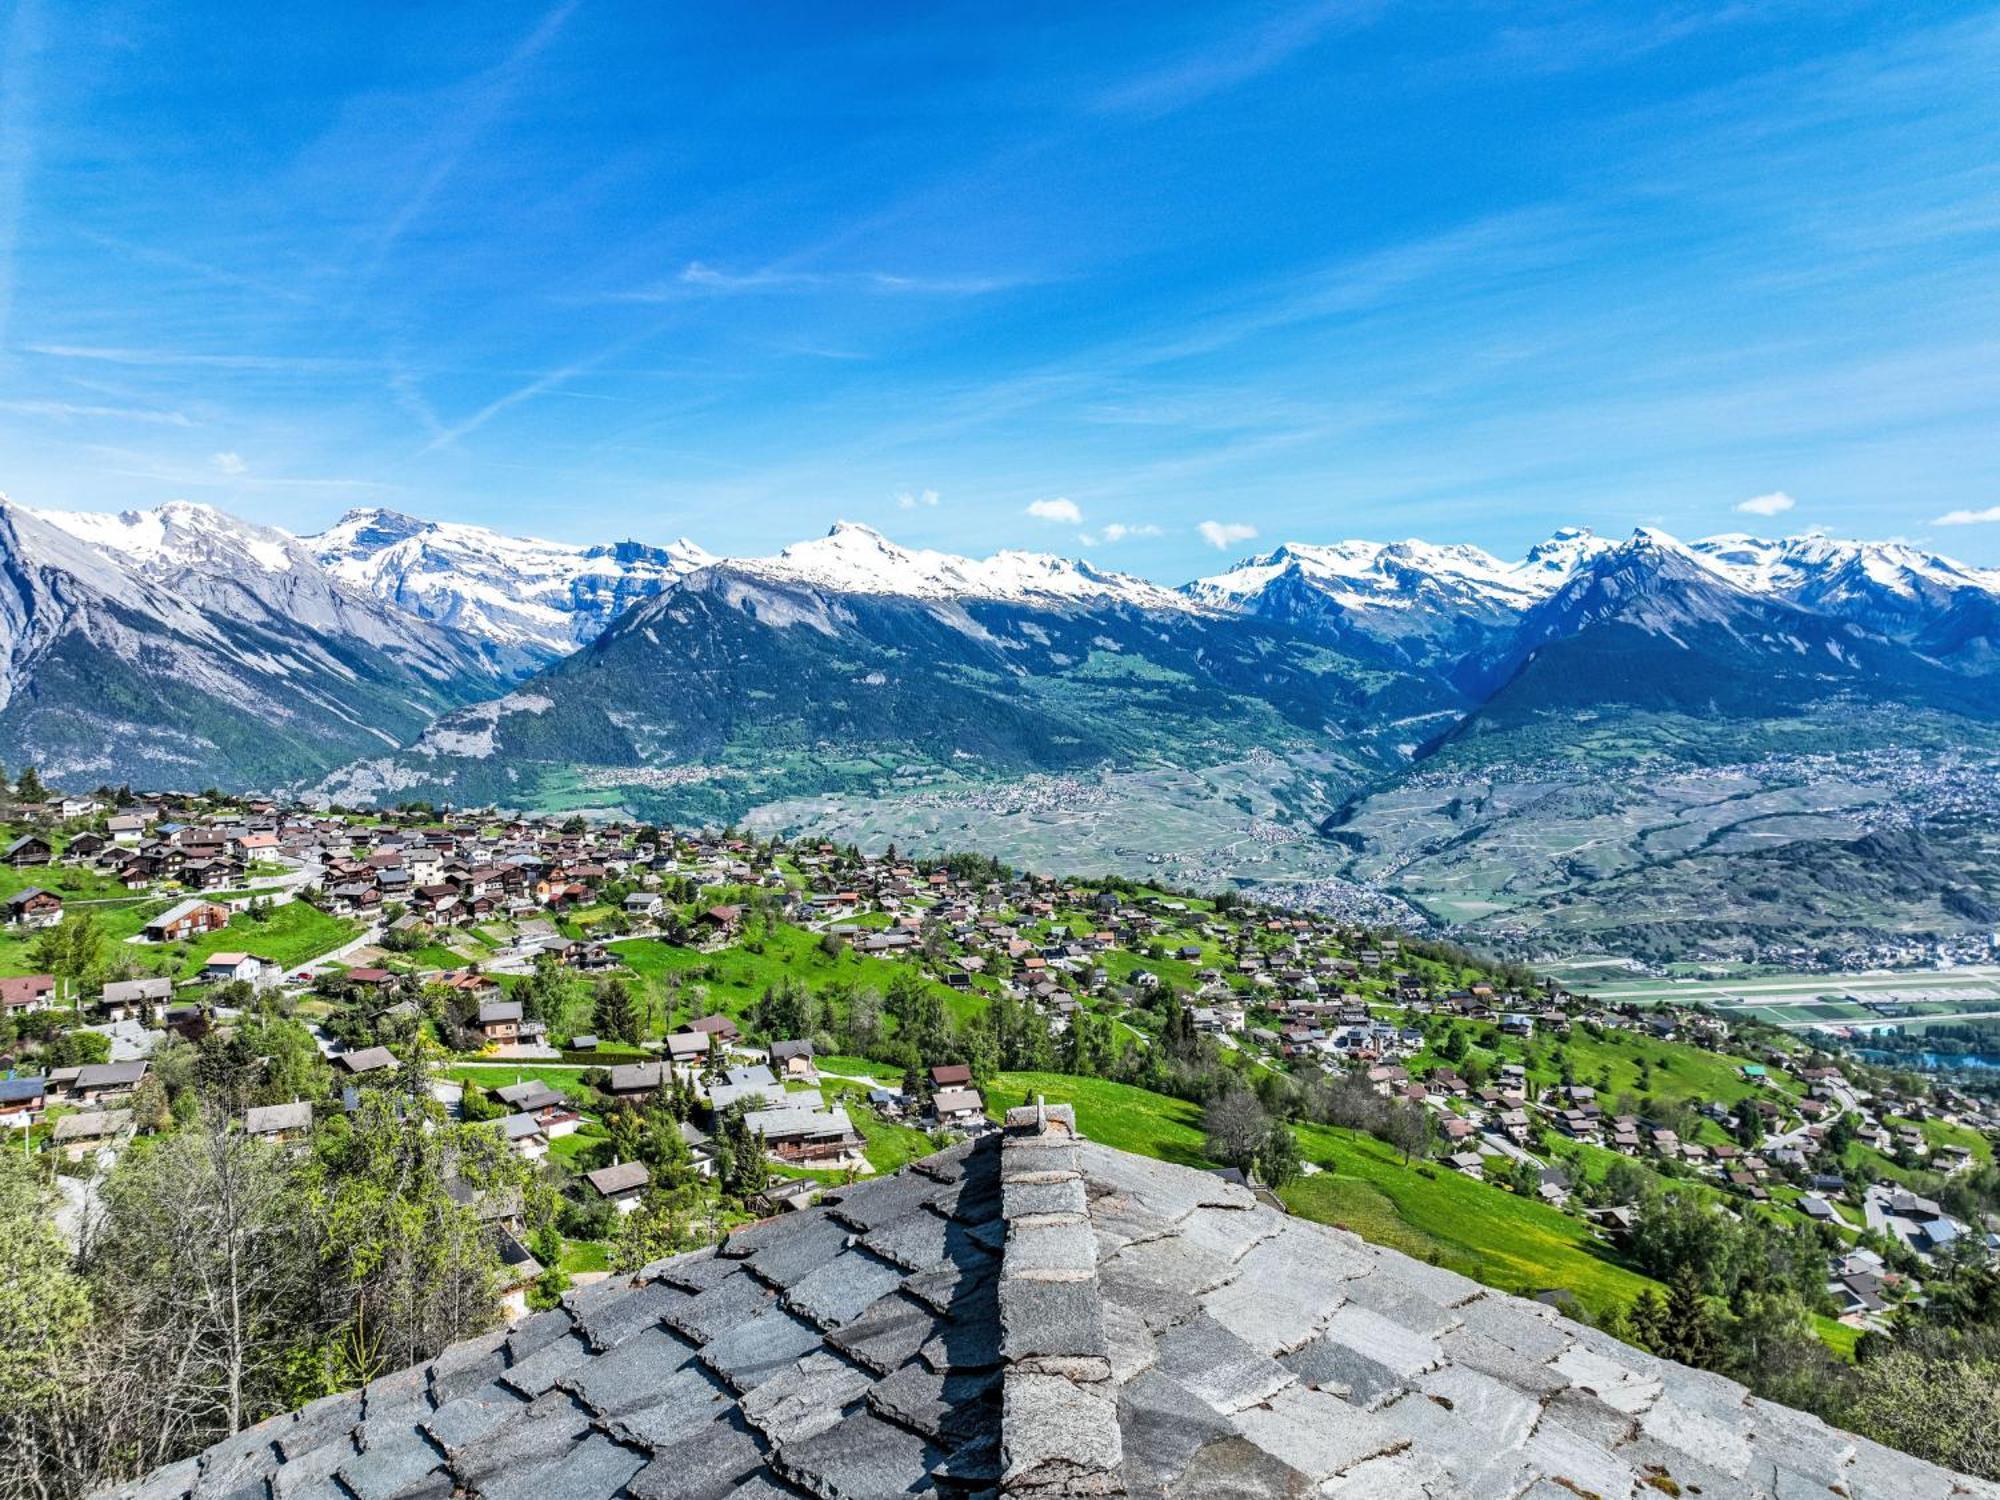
[(392, 658)]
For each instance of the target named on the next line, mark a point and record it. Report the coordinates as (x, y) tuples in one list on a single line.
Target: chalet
[(642, 904), (636, 1080), (28, 849), (22, 1100), (96, 1082), (278, 1122), (690, 1047), (81, 1136), (958, 1107), (722, 919), (500, 1021), (365, 1060), (185, 919), (525, 1136), (794, 1061), (807, 1137), (621, 1184), (550, 1109), (34, 907), (247, 968), (951, 1076), (27, 993), (135, 999), (720, 1027)]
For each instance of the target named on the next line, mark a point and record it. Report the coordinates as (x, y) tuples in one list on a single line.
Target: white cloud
[(1057, 509), (1225, 534), (1969, 517), (1117, 531), (911, 499), (1774, 504), (228, 463)]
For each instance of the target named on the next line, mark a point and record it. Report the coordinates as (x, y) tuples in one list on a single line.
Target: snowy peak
[(533, 599), (1794, 566), (180, 535), (856, 559), (1376, 575)]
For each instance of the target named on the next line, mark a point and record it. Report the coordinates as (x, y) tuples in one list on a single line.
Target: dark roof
[(1041, 1317)]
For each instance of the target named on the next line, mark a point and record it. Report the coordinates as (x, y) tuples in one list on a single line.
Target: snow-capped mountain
[(179, 647), (1429, 603), (1434, 602), (1654, 624), (230, 569), (534, 600), (856, 559)]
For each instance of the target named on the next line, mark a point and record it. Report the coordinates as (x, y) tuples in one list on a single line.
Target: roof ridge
[(1059, 1431)]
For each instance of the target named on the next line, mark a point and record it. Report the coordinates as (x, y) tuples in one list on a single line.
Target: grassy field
[(291, 935), (741, 975), (1611, 1064), (1515, 1243), (1506, 1241), (1115, 1114), (889, 1145)]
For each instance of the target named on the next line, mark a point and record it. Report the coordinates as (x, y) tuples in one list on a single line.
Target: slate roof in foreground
[(1043, 1316)]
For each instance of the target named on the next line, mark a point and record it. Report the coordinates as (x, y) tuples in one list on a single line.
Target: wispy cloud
[(483, 101), (1774, 504), (1985, 517), (1056, 509), (1226, 63), (1223, 535), (76, 411), (167, 358), (229, 463), (698, 278), (1117, 531), (915, 499), (23, 39)]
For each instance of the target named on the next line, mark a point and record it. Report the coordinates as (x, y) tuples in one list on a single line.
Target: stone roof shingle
[(1038, 1315)]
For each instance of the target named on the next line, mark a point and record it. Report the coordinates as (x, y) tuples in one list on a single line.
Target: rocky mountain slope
[(851, 663), (534, 601), (180, 646), (1480, 738)]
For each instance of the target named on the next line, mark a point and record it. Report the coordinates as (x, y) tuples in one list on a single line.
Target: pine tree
[(614, 1015), (1688, 1333), (29, 788)]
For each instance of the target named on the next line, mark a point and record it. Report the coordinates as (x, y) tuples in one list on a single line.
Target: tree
[(406, 1268), (1407, 1127), (1236, 1128), (1688, 1333), (72, 950), (1941, 1410), (1278, 1157), (614, 1015), (44, 1312), (29, 788), (201, 1231)]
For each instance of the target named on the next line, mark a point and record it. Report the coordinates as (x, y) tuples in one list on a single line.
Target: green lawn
[(1116, 1114), (116, 921), (291, 935), (889, 1145), (585, 1255), (742, 975), (1517, 1244), (555, 1075), (1680, 1073)]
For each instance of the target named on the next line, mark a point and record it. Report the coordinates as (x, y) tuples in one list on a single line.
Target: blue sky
[(1009, 275)]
